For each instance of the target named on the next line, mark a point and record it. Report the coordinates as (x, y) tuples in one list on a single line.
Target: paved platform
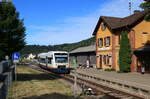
[(134, 83), (130, 78)]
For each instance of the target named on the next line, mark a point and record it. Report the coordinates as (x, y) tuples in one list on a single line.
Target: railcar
[(55, 61)]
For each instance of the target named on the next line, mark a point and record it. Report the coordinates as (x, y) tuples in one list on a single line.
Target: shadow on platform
[(51, 96), (27, 77), (61, 96)]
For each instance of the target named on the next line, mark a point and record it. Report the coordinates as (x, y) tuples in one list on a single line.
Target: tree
[(35, 49), (124, 53), (12, 30), (146, 6)]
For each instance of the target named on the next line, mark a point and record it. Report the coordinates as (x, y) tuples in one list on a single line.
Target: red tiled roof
[(114, 23)]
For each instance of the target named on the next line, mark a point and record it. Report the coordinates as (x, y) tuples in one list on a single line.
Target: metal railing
[(7, 74)]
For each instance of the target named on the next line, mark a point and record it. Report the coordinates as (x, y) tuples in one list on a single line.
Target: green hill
[(35, 49)]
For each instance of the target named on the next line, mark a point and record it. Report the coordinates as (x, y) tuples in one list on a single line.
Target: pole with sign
[(15, 58)]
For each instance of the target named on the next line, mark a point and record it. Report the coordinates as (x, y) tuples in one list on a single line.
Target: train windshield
[(61, 58)]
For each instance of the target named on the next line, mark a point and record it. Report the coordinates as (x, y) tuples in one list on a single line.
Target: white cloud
[(119, 8), (74, 29)]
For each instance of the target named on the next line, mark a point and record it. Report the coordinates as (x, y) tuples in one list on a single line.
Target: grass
[(109, 69), (99, 68), (32, 84)]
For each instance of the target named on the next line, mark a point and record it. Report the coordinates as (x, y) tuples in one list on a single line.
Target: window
[(42, 60), (144, 32), (49, 60), (119, 38), (61, 57), (107, 60), (104, 59), (145, 37), (100, 42), (107, 41), (103, 27)]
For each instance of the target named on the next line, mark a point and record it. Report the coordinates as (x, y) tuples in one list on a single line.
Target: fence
[(7, 74)]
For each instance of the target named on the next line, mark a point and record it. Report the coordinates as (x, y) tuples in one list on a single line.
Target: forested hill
[(35, 49)]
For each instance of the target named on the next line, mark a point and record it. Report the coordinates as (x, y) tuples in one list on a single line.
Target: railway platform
[(134, 83)]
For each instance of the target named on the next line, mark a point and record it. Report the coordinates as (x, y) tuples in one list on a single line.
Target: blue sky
[(50, 22)]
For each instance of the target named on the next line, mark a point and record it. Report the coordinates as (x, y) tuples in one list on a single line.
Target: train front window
[(61, 57)]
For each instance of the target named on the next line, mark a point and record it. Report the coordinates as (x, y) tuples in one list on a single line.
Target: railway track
[(97, 89)]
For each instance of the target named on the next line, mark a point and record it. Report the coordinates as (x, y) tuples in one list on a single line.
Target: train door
[(46, 61), (49, 60)]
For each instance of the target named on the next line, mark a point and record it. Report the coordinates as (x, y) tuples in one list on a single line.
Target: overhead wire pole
[(130, 7), (75, 77)]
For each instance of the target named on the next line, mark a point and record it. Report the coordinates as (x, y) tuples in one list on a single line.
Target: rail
[(123, 86), (97, 87)]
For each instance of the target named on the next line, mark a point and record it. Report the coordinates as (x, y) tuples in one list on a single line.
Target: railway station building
[(108, 34), (83, 54)]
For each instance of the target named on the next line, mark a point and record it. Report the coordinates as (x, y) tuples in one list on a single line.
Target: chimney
[(136, 11)]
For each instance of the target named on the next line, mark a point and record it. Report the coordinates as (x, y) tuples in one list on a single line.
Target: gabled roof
[(114, 23), (90, 48)]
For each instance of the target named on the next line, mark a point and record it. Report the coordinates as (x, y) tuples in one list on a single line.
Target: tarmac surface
[(133, 79)]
